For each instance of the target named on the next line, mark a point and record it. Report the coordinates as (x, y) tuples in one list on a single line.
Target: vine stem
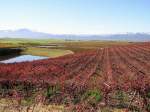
[(132, 99)]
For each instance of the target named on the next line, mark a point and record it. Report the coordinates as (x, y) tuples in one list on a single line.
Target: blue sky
[(76, 16)]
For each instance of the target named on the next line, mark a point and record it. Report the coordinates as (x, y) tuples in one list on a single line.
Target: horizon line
[(28, 29)]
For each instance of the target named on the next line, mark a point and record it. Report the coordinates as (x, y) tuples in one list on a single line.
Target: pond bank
[(52, 53), (32, 53), (6, 53)]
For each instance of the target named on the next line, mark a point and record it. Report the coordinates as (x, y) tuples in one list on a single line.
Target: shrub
[(52, 90), (93, 97), (148, 94)]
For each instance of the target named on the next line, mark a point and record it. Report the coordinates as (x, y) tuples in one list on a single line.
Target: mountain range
[(26, 33)]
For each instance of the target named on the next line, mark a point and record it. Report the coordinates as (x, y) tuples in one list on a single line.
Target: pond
[(23, 58)]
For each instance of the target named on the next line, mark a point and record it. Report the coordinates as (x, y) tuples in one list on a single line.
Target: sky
[(76, 16)]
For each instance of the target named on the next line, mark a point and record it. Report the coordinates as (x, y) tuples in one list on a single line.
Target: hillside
[(26, 33)]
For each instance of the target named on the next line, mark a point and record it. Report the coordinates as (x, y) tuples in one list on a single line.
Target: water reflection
[(23, 58)]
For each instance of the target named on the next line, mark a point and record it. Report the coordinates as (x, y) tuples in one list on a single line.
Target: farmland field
[(75, 56), (100, 78)]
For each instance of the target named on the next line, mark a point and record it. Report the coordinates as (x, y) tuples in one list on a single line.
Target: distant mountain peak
[(24, 30), (27, 33)]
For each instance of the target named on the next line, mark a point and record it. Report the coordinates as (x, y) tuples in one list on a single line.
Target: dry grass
[(8, 105)]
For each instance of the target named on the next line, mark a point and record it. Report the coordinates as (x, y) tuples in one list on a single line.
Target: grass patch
[(46, 52), (52, 90), (92, 96), (148, 94)]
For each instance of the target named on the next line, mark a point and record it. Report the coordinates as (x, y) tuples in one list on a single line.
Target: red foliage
[(123, 67)]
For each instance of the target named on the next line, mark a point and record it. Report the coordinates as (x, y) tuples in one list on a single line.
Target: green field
[(54, 47), (29, 46), (17, 42)]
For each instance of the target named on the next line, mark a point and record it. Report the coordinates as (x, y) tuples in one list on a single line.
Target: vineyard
[(114, 77)]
